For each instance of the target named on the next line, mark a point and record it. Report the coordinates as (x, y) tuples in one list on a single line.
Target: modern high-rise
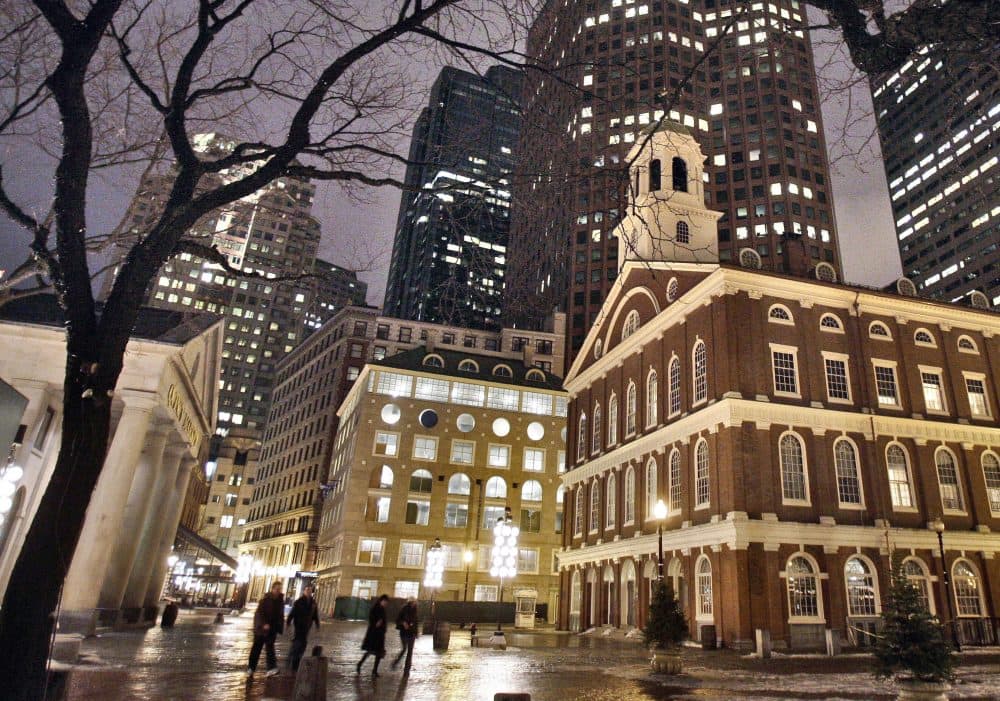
[(739, 76), (939, 119), (270, 232), (334, 288), (450, 250)]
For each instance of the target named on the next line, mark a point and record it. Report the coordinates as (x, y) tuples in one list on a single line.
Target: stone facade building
[(232, 475), (797, 429), (438, 443)]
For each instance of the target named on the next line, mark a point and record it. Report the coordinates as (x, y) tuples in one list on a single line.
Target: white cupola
[(666, 219)]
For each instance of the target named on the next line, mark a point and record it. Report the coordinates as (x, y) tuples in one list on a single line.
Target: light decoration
[(434, 568), (504, 553)]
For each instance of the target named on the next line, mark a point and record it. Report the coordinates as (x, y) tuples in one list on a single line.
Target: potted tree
[(665, 628), (912, 647)]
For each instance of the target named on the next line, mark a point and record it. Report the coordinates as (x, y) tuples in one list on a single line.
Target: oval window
[(428, 418), (465, 422), (391, 413), (501, 427), (535, 431)]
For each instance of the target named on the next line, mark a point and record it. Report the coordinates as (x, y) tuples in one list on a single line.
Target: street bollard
[(763, 639), (442, 635), (310, 680)]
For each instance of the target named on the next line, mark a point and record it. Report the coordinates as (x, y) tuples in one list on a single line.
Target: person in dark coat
[(268, 623), (374, 642), (303, 615), (408, 627)]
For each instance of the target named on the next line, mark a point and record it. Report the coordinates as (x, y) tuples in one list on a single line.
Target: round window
[(501, 427), (391, 413), (465, 422), (535, 431), (428, 418)]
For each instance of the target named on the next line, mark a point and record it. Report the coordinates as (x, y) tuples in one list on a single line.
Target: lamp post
[(504, 557), (467, 557), (433, 574), (659, 513), (938, 526)]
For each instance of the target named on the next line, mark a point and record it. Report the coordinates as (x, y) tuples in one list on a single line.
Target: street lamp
[(938, 526), (660, 513), (467, 557), (434, 573), (504, 560)]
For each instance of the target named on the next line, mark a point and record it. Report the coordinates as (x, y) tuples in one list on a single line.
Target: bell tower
[(666, 219)]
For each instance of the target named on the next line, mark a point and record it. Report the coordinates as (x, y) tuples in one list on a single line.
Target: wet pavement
[(198, 660)]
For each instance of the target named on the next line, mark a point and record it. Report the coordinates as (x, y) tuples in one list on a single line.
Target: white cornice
[(732, 412)]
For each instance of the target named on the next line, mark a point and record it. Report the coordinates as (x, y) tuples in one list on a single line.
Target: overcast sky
[(355, 233)]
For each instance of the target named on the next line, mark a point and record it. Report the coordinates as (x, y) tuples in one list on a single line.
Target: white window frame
[(793, 351), (675, 483), (498, 449), (594, 517), (873, 574), (652, 398), (820, 616), (674, 388), (911, 508), (707, 478), (652, 487), (704, 607), (934, 371), (582, 436), (960, 492), (595, 430), (375, 442), (699, 382), (527, 464), (631, 409), (790, 321), (381, 552), (925, 344), (433, 442), (533, 570), (829, 329), (878, 337), (860, 505), (890, 365), (610, 501), (806, 501), (462, 446), (613, 420), (925, 579), (629, 496), (981, 378), (977, 575), (965, 337), (399, 555), (578, 511), (841, 358), (992, 490)]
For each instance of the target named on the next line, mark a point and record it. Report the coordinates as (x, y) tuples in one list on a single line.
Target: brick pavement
[(199, 661)]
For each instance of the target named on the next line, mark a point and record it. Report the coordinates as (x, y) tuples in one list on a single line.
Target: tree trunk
[(32, 597)]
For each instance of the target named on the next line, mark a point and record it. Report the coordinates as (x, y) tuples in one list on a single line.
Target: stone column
[(172, 516), (152, 530), (135, 515), (102, 526)]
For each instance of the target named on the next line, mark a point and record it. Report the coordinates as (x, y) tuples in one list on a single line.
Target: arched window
[(578, 511), (531, 491), (433, 361), (700, 363), (898, 466), (421, 481), (967, 345), (680, 174), (654, 174), (673, 288), (468, 366), (631, 324), (674, 488), (779, 314), (829, 322), (629, 495), (535, 375), (503, 371), (967, 589), (704, 573), (610, 497), (991, 473), (652, 401), (845, 458), (701, 478), (862, 597), (923, 337), (630, 408), (674, 372), (914, 570), (581, 438), (595, 442), (951, 492), (595, 505), (652, 487), (803, 588), (613, 420), (879, 330), (384, 478), (496, 488), (793, 468), (459, 483), (675, 575), (683, 232)]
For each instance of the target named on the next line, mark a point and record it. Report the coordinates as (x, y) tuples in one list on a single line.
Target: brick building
[(797, 429)]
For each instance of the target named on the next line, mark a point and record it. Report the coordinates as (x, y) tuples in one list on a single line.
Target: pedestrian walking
[(303, 615), (268, 623), (374, 642), (408, 627)]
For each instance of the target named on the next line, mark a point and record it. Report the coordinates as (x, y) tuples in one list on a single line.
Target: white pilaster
[(102, 526), (136, 512), (155, 525), (172, 517)]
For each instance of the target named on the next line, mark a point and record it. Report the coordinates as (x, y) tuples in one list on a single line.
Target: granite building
[(800, 433), (449, 255), (740, 76)]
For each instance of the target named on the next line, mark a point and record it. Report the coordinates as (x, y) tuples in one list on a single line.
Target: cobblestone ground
[(197, 661)]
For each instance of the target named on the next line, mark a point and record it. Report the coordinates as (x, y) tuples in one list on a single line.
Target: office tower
[(740, 77), (334, 288), (450, 249), (270, 232), (938, 119)]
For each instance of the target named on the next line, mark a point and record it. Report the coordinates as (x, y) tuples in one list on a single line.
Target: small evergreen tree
[(912, 640), (666, 625)]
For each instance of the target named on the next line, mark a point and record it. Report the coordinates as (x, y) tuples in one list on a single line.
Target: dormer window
[(680, 174), (468, 366), (433, 361), (502, 371), (535, 375), (654, 175)]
